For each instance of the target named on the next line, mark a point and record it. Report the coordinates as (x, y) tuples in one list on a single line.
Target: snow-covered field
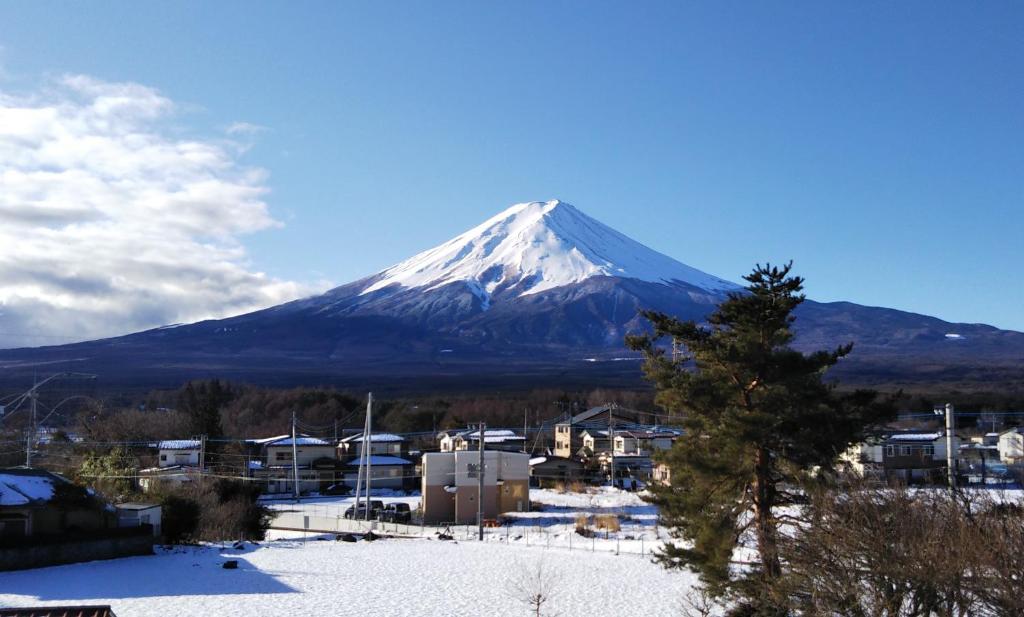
[(323, 577), (315, 575)]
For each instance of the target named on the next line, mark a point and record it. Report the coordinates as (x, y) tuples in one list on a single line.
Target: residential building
[(385, 444), (314, 459), (386, 472), (917, 457), (1011, 446), (644, 442), (662, 474), (547, 470), (469, 439), (179, 453), (38, 503), (450, 485), (569, 432), (136, 514)]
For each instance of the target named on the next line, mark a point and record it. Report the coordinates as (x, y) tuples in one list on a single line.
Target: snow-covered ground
[(393, 577)]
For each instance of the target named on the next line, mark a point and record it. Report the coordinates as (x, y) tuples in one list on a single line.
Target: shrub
[(213, 511), (608, 522)]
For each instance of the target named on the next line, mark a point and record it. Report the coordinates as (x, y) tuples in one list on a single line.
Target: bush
[(608, 522), (213, 511)]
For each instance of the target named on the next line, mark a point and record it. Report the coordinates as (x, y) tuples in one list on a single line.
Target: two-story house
[(313, 458), (569, 432), (386, 460)]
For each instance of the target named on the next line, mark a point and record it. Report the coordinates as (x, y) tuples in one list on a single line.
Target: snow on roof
[(494, 436), (374, 438), (916, 436), (267, 439), (381, 460), (136, 506), (20, 487), (538, 460), (302, 440), (179, 444)]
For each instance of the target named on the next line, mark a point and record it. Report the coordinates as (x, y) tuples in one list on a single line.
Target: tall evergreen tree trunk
[(766, 526)]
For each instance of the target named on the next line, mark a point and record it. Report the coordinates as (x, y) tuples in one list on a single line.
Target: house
[(469, 439), (661, 474), (569, 432), (136, 514), (1011, 446), (385, 444), (865, 459), (386, 472), (916, 457), (622, 466), (547, 470), (179, 453), (595, 441), (450, 485), (151, 477), (35, 503), (644, 442), (314, 459)]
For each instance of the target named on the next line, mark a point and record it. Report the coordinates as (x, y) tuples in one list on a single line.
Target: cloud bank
[(111, 222)]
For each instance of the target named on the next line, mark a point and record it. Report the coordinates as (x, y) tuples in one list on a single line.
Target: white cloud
[(110, 222)]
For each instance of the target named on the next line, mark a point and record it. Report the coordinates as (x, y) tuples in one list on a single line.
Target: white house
[(1011, 446), (494, 439), (135, 514), (385, 444), (180, 452)]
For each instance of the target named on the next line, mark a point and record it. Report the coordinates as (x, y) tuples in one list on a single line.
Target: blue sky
[(878, 145)]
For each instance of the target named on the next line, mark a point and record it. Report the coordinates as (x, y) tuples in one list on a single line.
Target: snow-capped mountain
[(538, 293), (537, 246)]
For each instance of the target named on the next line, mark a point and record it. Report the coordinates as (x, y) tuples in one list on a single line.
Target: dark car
[(336, 489), (396, 513), (375, 508)]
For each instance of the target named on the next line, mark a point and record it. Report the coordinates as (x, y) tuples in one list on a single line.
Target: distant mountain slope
[(539, 293)]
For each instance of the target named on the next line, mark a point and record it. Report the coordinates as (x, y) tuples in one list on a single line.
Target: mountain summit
[(540, 293), (537, 246)]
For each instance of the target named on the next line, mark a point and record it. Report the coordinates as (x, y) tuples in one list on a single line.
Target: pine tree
[(759, 420)]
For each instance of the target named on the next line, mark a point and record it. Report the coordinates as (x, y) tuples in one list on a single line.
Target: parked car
[(396, 513), (375, 509), (336, 489)]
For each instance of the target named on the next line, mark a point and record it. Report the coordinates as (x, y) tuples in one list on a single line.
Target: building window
[(282, 456), (928, 450), (890, 450)]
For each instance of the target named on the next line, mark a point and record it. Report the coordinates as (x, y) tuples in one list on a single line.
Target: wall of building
[(305, 455), (506, 485), (43, 555), (168, 458)]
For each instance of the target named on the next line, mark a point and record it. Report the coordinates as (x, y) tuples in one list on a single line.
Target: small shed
[(135, 514)]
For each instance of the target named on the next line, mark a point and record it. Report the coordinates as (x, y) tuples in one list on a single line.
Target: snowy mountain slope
[(538, 292), (537, 246)]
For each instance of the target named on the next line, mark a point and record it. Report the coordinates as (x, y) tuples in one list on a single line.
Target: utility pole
[(368, 449), (202, 453), (33, 396), (611, 441), (295, 460), (950, 424), (525, 425), (480, 482)]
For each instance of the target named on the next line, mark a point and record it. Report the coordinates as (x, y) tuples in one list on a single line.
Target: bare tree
[(535, 586)]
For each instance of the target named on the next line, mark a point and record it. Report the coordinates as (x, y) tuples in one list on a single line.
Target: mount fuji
[(540, 293)]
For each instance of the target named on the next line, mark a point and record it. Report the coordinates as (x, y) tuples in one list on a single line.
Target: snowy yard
[(291, 576)]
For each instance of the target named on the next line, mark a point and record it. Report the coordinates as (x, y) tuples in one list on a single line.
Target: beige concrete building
[(450, 485)]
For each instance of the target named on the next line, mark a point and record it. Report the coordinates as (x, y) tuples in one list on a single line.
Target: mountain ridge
[(540, 291)]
